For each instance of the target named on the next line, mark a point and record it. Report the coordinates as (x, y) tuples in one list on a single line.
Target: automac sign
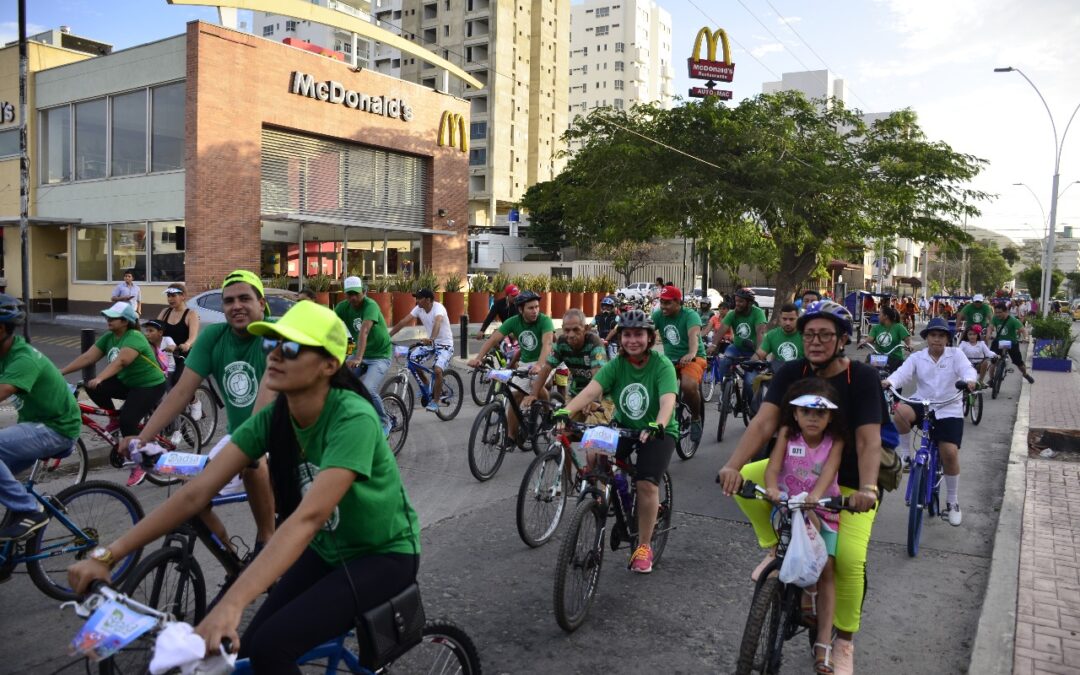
[(336, 93)]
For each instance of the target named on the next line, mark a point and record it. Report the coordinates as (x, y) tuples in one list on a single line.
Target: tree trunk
[(797, 266)]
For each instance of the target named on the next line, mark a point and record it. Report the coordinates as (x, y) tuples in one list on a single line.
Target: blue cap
[(937, 323)]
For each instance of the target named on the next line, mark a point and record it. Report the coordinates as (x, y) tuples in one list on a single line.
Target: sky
[(933, 56)]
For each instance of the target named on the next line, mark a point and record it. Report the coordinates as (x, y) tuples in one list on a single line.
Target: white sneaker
[(196, 410), (953, 511)]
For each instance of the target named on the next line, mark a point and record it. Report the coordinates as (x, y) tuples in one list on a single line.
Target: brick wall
[(237, 84)]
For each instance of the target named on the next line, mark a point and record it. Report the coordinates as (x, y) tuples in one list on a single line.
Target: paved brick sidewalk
[(1055, 400)]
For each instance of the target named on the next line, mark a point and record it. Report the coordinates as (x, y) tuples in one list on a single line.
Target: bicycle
[(736, 399), (924, 480), (444, 647), (488, 438), (685, 446), (82, 517), (450, 399), (776, 613), (710, 378), (1001, 368), (397, 416), (607, 489), (973, 401), (493, 360)]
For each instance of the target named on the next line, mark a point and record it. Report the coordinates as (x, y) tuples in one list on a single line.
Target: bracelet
[(872, 488)]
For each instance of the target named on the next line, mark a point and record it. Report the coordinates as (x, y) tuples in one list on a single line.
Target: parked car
[(713, 295), (1075, 310), (635, 291), (765, 296), (208, 304)]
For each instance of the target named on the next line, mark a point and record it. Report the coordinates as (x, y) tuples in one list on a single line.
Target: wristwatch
[(103, 555)]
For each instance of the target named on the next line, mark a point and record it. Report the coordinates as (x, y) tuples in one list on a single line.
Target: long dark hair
[(813, 386), (284, 449)]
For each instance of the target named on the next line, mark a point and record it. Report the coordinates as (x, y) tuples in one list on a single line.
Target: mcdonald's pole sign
[(709, 68), (452, 131)]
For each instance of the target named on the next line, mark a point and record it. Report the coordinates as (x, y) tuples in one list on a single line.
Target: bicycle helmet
[(746, 294), (11, 311), (525, 297), (635, 318), (608, 301), (826, 309), (705, 303)]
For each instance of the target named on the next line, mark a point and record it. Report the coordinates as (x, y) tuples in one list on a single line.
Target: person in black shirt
[(606, 320), (503, 307)]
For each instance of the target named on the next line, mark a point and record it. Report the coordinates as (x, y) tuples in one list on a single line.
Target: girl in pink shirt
[(806, 458)]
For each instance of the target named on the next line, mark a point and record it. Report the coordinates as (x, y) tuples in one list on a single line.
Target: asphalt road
[(920, 614)]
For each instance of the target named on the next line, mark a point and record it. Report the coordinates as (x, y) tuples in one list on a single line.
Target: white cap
[(813, 401), (978, 297), (353, 284)]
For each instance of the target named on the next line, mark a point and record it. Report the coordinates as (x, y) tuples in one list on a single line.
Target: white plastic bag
[(806, 554)]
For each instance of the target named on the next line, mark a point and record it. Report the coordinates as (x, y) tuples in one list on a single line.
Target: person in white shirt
[(935, 371), (977, 351), (127, 291), (436, 321)]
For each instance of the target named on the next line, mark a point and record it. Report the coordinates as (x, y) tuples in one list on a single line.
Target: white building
[(1066, 249), (387, 15), (813, 83), (357, 50), (620, 54)]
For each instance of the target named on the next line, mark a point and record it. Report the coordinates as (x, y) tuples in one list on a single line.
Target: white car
[(635, 291), (765, 297), (208, 304), (712, 294)]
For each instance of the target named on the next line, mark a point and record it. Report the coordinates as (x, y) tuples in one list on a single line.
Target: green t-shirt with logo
[(581, 361), (786, 346), (236, 363), (637, 391), (378, 338), (1007, 329), (374, 516), (674, 332), (890, 340), (144, 371), (744, 326), (41, 394), (530, 336), (977, 315)]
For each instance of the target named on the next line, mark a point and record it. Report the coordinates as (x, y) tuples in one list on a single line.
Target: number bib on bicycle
[(637, 391), (236, 363), (529, 335)]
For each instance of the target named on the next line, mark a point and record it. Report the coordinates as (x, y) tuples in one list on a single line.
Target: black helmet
[(827, 309), (525, 297), (11, 311), (635, 318), (745, 294)]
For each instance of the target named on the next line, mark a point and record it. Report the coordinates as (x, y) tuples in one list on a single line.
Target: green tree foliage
[(1074, 283), (987, 267), (1011, 255), (1032, 279)]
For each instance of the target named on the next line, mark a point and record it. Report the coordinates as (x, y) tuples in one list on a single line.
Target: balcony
[(348, 9)]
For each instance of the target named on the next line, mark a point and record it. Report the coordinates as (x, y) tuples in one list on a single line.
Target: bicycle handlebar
[(961, 387), (751, 490), (870, 345)]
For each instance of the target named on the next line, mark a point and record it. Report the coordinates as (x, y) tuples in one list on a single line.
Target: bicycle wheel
[(57, 474), (205, 406), (708, 383), (976, 408), (399, 421), (180, 435), (400, 386), (541, 498), (577, 571), (487, 441), (967, 405), (743, 394), (453, 392), (445, 648), (541, 423), (684, 445), (663, 520), (479, 387), (762, 627), (166, 582), (724, 407), (101, 512), (917, 479), (995, 381)]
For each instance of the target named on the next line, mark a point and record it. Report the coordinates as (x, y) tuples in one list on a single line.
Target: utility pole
[(24, 172)]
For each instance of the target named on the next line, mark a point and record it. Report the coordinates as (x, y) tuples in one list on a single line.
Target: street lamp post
[(1047, 271)]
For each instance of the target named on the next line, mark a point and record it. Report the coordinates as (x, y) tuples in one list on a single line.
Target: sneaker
[(432, 406), (695, 431), (769, 557), (641, 561), (952, 512), (137, 476), (196, 410), (843, 657), (1029, 378), (24, 523)]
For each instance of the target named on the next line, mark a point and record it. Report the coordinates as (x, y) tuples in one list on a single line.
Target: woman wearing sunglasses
[(346, 527)]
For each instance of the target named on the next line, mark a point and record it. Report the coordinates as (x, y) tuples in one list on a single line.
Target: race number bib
[(796, 451), (1004, 344), (601, 439), (181, 464), (879, 360), (500, 375), (109, 629)]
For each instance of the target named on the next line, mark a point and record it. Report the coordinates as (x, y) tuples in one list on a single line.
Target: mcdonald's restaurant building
[(189, 157)]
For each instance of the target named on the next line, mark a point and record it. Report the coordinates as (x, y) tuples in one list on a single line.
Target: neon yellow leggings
[(851, 544)]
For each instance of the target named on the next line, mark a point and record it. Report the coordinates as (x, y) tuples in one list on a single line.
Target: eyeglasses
[(290, 350), (822, 337)]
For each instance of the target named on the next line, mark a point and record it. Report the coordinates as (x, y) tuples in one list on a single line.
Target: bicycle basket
[(391, 629)]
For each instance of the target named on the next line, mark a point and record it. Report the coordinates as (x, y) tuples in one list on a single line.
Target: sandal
[(823, 663), (808, 605)]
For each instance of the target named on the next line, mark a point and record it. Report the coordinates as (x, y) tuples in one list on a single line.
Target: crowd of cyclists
[(332, 515)]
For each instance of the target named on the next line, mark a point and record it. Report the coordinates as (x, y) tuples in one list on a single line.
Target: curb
[(995, 637)]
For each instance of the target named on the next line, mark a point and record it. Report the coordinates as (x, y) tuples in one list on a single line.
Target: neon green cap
[(310, 324)]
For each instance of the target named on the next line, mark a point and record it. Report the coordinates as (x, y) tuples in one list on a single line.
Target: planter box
[(455, 305), (382, 299), (478, 306), (403, 303), (1053, 365)]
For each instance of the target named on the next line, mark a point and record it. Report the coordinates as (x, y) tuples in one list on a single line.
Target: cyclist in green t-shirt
[(1008, 327), (747, 323), (975, 312), (783, 343), (643, 386), (349, 538), (679, 330), (367, 326), (47, 426), (890, 336)]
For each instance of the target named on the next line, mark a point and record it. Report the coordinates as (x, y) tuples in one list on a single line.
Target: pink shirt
[(802, 468)]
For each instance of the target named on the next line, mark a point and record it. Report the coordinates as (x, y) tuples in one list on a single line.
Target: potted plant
[(320, 283), (590, 299), (500, 281), (378, 289), (541, 284), (559, 296), (280, 281), (1053, 340), (577, 292), (453, 297), (401, 299), (479, 298)]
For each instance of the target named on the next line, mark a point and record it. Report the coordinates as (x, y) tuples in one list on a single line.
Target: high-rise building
[(387, 14), (357, 50), (620, 54), (813, 83)]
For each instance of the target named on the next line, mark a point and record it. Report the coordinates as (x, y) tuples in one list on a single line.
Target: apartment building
[(357, 51), (620, 54)]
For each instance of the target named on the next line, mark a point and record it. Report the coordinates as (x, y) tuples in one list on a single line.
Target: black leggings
[(310, 605), (138, 401)]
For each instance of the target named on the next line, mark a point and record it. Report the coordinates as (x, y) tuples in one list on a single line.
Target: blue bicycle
[(82, 515), (924, 481), (450, 399)]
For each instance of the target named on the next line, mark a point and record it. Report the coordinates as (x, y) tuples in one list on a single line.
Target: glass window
[(91, 253), (90, 139), (167, 128), (477, 156), (129, 133), (128, 250), (56, 145), (167, 251), (478, 130), (9, 142), (268, 30)]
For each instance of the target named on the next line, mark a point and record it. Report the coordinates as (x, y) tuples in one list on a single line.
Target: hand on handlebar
[(862, 501), (474, 362), (773, 495), (730, 480), (83, 573), (219, 626)]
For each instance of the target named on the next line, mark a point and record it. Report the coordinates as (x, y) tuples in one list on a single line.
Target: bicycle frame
[(9, 551), (927, 455)]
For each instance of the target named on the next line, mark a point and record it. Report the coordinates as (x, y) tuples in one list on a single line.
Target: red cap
[(671, 293), (511, 290)]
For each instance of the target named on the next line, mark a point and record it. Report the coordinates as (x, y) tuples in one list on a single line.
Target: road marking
[(60, 341)]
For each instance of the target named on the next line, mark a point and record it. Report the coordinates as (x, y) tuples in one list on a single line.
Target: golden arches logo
[(711, 38), (452, 131)]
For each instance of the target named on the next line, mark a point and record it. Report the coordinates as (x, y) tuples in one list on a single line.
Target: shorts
[(525, 383), (695, 369), (942, 430), (653, 456), (1014, 352), (828, 535), (440, 353)]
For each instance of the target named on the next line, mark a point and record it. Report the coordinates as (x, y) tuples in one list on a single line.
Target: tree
[(987, 268), (1032, 279), (1011, 255), (1074, 283), (630, 256)]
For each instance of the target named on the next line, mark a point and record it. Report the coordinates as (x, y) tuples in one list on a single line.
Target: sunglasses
[(289, 349)]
